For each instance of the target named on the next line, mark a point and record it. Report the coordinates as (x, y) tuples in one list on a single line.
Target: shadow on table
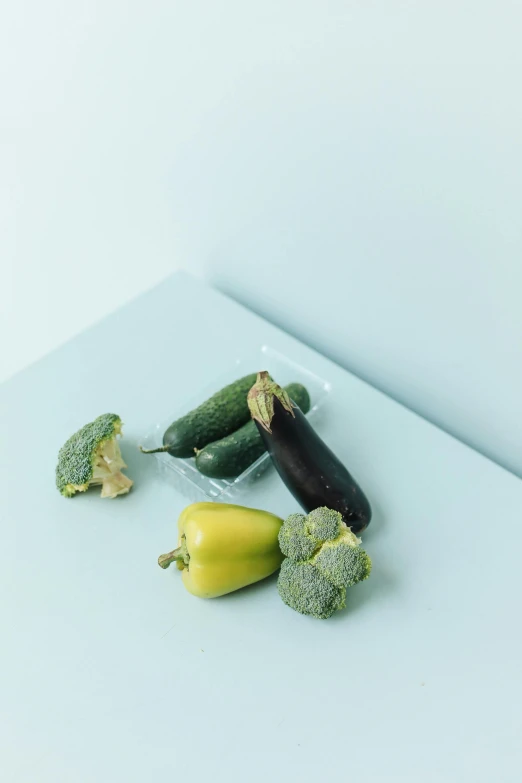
[(140, 467)]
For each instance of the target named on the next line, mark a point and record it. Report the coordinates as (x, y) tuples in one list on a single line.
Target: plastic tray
[(183, 474)]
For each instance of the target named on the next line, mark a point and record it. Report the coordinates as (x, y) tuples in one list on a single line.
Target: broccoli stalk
[(323, 559), (92, 457)]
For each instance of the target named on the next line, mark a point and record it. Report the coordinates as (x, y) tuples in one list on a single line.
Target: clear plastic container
[(183, 474)]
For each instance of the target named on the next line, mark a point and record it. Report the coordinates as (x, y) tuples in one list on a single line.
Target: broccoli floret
[(342, 561), (305, 589), (301, 535), (294, 541), (92, 456), (323, 524), (323, 559)]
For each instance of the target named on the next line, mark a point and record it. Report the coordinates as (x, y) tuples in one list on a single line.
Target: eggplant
[(310, 470)]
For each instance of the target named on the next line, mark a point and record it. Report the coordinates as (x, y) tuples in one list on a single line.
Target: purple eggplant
[(310, 470)]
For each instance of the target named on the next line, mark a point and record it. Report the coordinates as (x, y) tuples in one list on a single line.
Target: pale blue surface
[(110, 671)]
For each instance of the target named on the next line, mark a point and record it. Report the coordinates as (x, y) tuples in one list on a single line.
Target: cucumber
[(230, 456), (220, 415)]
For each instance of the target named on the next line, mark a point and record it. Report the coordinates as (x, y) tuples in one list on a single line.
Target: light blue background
[(351, 170)]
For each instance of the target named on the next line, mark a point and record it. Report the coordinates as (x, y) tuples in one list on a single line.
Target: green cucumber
[(230, 456), (220, 415)]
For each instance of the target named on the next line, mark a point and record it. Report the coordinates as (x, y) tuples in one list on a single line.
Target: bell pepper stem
[(179, 555), (165, 560)]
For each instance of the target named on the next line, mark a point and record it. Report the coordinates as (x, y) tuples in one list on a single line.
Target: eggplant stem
[(261, 400)]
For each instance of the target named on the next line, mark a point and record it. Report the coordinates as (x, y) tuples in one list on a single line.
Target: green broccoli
[(305, 589), (323, 559), (92, 456)]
